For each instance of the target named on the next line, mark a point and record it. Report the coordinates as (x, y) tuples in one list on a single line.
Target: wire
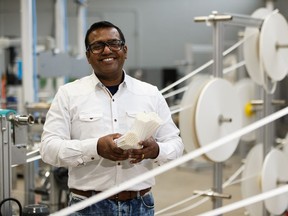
[(11, 199)]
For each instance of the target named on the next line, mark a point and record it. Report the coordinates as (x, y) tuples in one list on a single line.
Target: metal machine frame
[(8, 120), (217, 20)]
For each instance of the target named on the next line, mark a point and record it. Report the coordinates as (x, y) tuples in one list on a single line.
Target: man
[(87, 115)]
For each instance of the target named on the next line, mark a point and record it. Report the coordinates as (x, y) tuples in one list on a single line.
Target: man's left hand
[(150, 150)]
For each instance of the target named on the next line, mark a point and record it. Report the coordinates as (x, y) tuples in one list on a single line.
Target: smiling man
[(89, 114)]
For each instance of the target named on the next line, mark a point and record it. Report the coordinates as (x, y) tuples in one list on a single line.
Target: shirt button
[(115, 120), (92, 158), (118, 163), (113, 100)]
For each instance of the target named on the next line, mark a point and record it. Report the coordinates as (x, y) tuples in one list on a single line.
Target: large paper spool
[(274, 173), (246, 92), (251, 49), (274, 32), (187, 113), (251, 178), (217, 102)]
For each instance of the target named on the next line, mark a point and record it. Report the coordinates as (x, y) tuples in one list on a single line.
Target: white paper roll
[(274, 32), (187, 114), (251, 48), (217, 101), (246, 92), (275, 170), (251, 178)]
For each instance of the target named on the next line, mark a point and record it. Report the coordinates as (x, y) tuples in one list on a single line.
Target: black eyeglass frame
[(108, 44)]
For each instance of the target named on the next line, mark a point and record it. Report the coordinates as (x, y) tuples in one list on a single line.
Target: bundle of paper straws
[(144, 126)]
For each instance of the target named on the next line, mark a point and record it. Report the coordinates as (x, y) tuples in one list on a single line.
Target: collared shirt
[(83, 111)]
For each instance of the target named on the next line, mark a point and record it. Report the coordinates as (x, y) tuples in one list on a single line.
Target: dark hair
[(99, 25)]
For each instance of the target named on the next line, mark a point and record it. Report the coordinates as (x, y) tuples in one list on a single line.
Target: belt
[(121, 196)]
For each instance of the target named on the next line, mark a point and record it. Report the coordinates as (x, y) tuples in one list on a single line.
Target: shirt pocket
[(130, 118), (91, 124), (126, 121), (90, 117)]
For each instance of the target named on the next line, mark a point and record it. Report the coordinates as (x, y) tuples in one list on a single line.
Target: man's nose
[(106, 49)]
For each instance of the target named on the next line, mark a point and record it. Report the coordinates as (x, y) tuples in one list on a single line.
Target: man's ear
[(88, 56), (125, 50)]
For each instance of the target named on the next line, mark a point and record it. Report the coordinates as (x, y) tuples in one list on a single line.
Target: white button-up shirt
[(83, 111)]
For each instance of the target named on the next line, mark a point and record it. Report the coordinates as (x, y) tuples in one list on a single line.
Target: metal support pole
[(81, 20), (268, 129), (5, 174), (270, 4), (28, 78), (268, 109), (218, 49), (27, 50), (268, 132), (61, 32), (61, 25), (217, 72)]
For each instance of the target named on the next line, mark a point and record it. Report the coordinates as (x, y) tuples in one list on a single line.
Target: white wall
[(163, 27), (156, 30)]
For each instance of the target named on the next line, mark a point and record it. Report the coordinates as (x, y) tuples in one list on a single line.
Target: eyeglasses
[(98, 47)]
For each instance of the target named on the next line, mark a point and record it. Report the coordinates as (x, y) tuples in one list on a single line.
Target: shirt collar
[(96, 82)]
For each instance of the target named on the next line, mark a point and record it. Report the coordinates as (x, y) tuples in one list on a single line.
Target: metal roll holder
[(212, 194), (9, 120), (254, 106), (216, 20)]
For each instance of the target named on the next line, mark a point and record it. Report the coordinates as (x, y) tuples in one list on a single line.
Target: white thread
[(248, 201), (236, 45), (244, 179), (176, 110), (32, 152), (207, 64), (29, 160), (233, 67), (165, 167), (177, 204), (225, 71), (189, 207), (234, 176), (180, 90), (225, 184), (38, 157)]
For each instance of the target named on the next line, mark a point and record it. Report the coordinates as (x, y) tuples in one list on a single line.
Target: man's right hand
[(108, 149)]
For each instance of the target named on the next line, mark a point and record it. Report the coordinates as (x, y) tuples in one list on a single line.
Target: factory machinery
[(20, 138), (215, 114), (219, 107), (13, 151)]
